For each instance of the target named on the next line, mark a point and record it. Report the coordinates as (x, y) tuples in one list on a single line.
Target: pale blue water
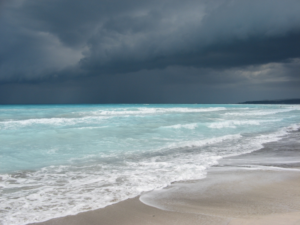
[(57, 160)]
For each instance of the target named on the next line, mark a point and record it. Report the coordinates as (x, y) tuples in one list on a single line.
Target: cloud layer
[(48, 40)]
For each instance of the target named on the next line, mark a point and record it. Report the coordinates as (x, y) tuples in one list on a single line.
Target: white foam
[(268, 168), (233, 123), (262, 112), (41, 195), (142, 111), (251, 144), (99, 115), (293, 127), (190, 126), (11, 124), (200, 143)]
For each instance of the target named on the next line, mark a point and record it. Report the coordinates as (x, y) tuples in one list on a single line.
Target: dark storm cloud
[(26, 53), (130, 51), (227, 33), (44, 37), (176, 84)]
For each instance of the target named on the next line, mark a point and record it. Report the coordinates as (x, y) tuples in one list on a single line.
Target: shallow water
[(57, 160)]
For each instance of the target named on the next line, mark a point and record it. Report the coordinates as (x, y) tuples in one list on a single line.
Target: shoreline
[(245, 207), (262, 187)]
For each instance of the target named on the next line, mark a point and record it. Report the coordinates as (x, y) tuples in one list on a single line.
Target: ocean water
[(58, 160)]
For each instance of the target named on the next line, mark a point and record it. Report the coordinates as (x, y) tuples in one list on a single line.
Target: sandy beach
[(244, 197), (262, 187)]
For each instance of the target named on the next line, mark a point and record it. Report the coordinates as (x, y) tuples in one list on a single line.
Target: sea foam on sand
[(258, 188)]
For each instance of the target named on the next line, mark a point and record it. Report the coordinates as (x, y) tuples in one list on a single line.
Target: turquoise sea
[(58, 160)]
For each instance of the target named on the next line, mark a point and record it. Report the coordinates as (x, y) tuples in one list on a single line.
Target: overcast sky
[(154, 51)]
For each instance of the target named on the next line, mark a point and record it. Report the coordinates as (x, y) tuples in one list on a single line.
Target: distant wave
[(140, 111), (209, 141), (235, 123), (97, 116), (262, 112), (190, 126), (48, 121)]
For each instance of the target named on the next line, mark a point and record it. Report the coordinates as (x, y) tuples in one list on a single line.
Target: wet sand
[(237, 197), (258, 188)]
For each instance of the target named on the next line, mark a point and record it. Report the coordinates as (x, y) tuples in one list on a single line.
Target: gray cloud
[(219, 35), (145, 48), (123, 36)]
